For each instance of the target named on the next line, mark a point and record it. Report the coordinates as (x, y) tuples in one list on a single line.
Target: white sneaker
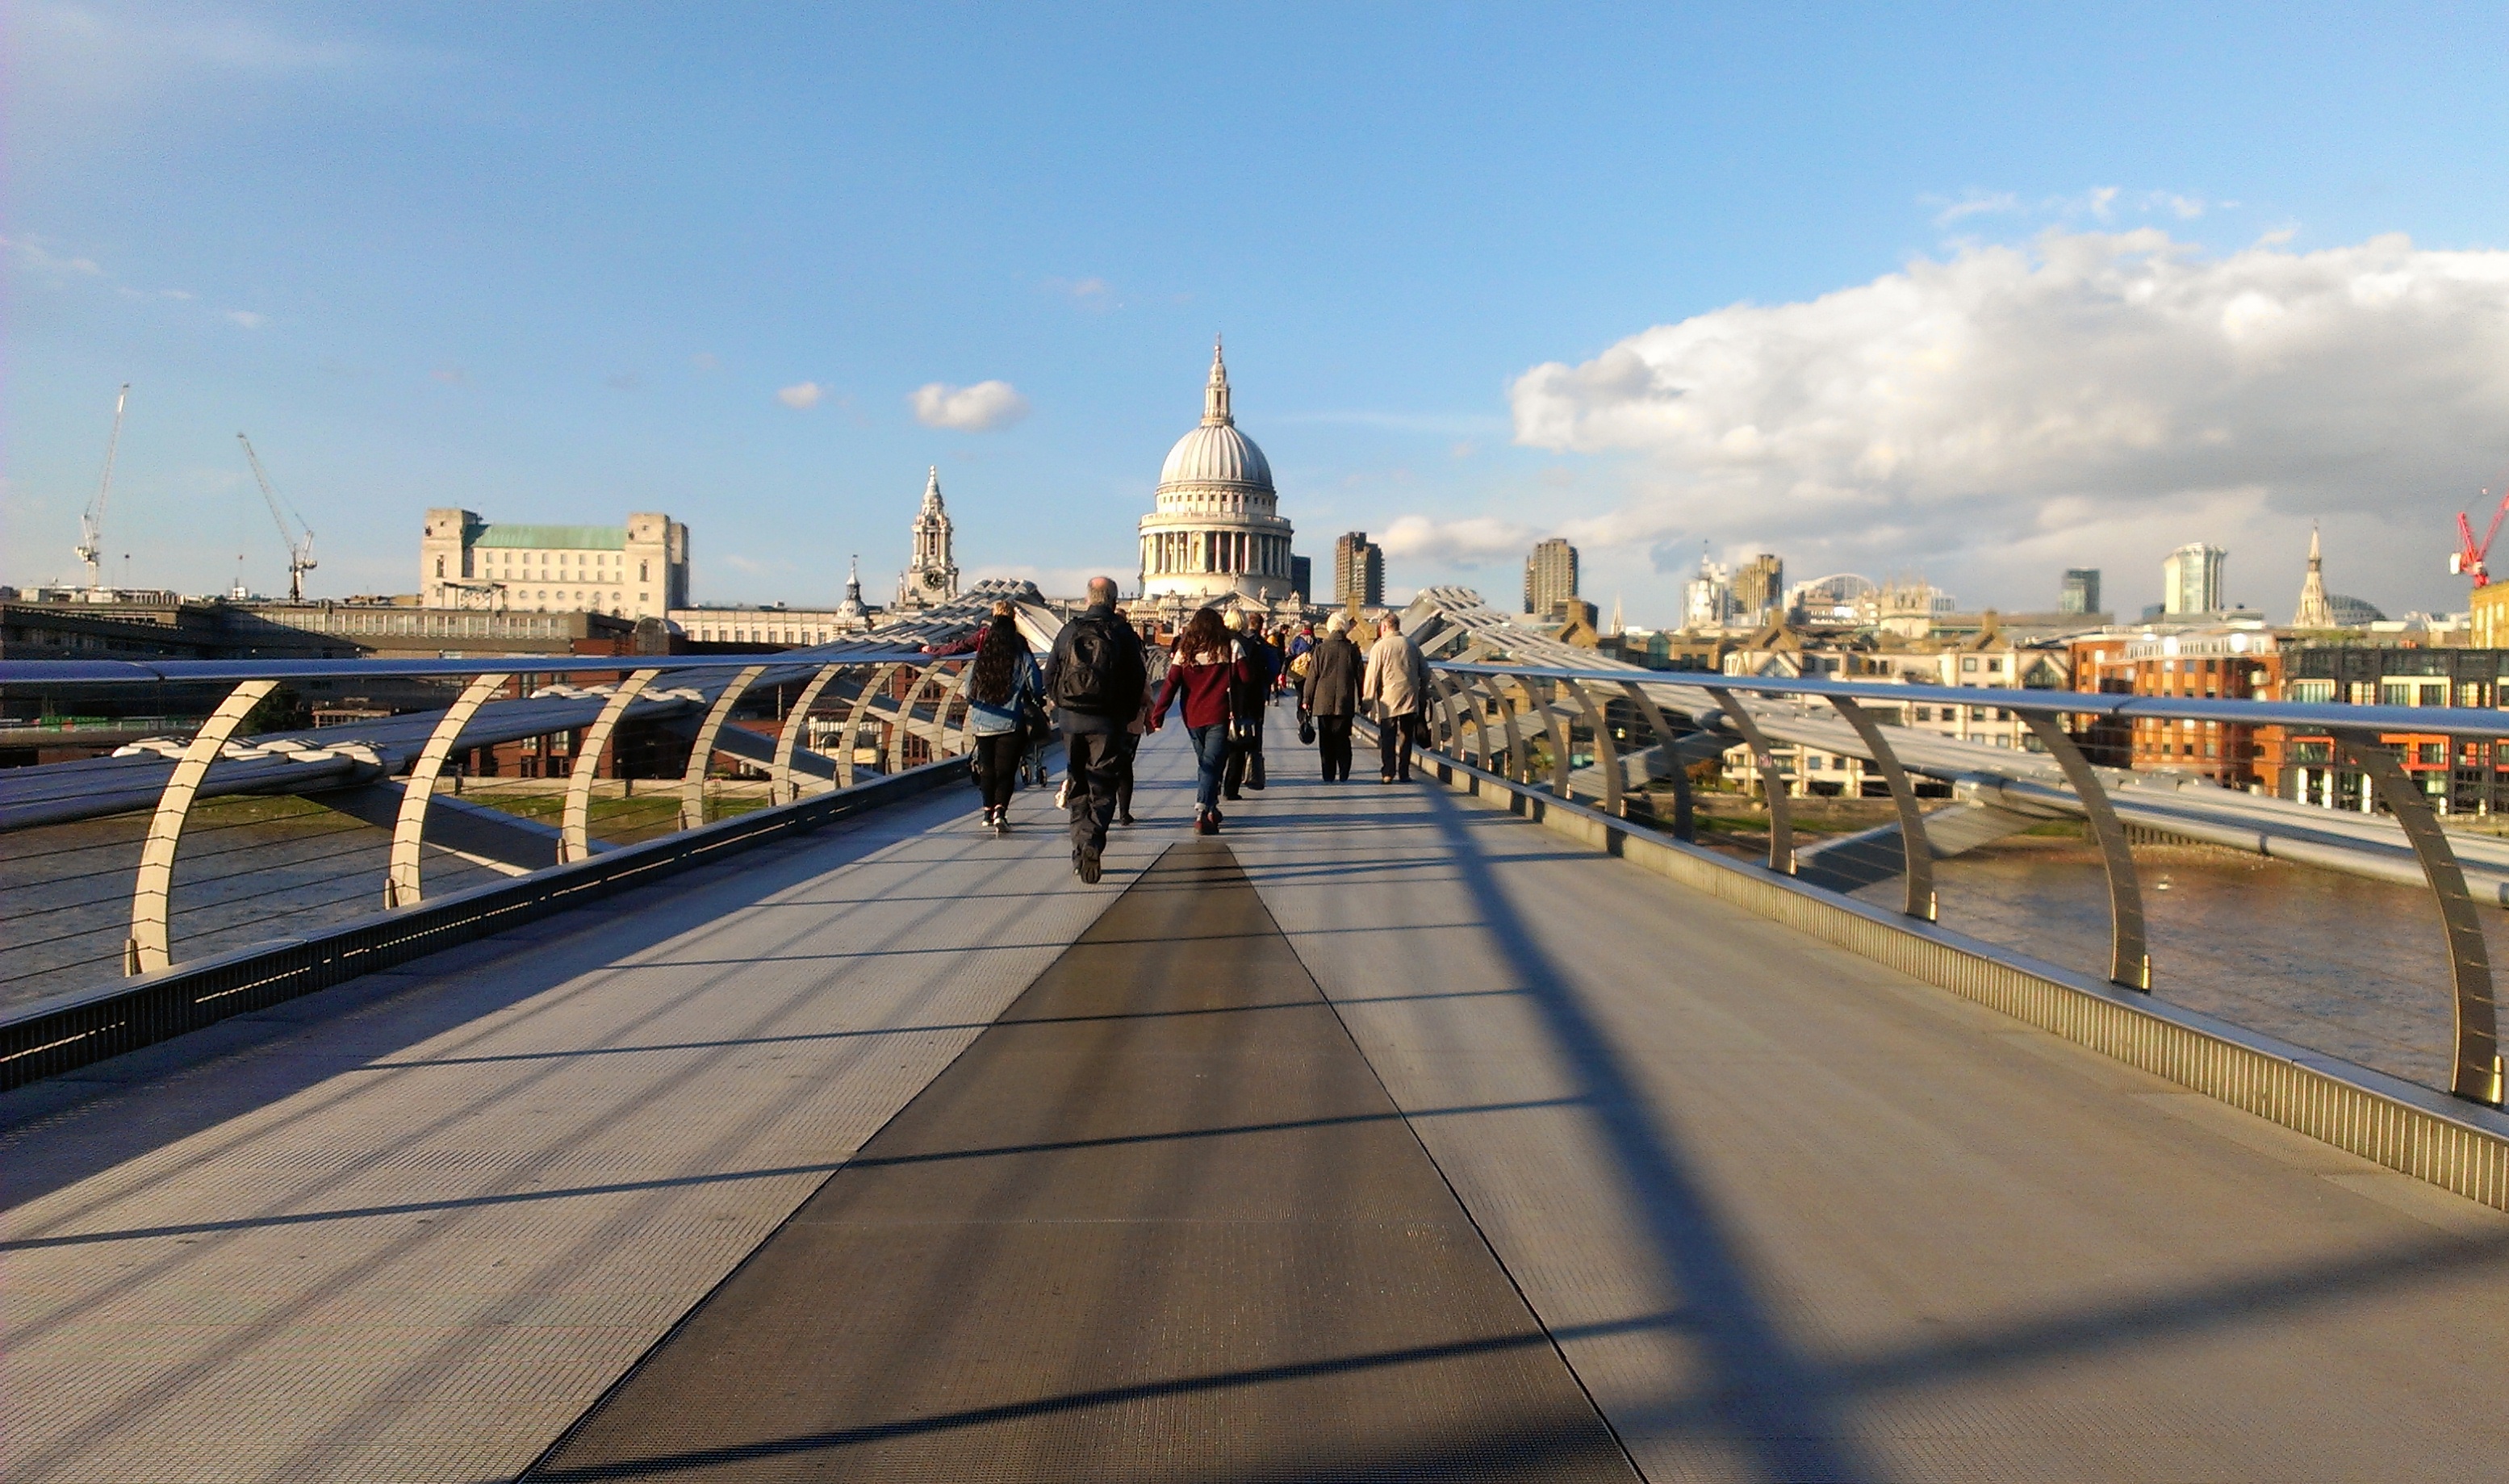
[(1063, 795)]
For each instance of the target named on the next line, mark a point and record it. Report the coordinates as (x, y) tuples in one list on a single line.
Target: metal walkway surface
[(1159, 1222), (1770, 1209)]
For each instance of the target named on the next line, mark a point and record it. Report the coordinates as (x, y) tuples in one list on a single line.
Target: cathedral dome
[(1216, 452)]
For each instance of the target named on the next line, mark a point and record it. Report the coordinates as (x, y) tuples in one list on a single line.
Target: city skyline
[(743, 293)]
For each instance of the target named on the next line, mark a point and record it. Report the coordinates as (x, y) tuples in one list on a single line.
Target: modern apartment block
[(1359, 571), (1549, 577)]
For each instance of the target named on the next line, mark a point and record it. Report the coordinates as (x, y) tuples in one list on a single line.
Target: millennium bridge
[(1493, 1126)]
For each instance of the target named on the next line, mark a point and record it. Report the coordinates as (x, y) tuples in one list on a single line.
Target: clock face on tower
[(933, 580)]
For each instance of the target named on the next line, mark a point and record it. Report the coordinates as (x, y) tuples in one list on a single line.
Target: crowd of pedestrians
[(1103, 689)]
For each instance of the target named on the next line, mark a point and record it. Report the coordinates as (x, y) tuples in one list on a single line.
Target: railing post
[(1519, 760), (2129, 951), (1607, 756), (409, 827), (2476, 1075), (1772, 784), (701, 751), (1917, 856), (781, 788), (905, 715), (1555, 722), (575, 838), (1684, 822), (854, 717), (149, 945)]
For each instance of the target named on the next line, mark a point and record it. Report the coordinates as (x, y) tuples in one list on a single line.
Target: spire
[(2314, 611), (931, 487), (1214, 395), (853, 580)]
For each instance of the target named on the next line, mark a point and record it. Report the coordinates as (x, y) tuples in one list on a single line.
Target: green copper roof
[(579, 538)]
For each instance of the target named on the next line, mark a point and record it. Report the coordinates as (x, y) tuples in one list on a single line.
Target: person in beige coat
[(1396, 690)]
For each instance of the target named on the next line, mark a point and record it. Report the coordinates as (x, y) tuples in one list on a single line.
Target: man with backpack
[(1095, 678)]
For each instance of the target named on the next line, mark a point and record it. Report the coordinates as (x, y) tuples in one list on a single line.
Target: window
[(1969, 663), (2314, 691), (1995, 667), (642, 576), (439, 567)]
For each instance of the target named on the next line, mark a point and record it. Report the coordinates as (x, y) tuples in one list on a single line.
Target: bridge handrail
[(2306, 716), (2478, 1072)]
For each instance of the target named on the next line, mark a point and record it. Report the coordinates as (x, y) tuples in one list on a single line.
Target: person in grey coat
[(1332, 697), (1396, 690)]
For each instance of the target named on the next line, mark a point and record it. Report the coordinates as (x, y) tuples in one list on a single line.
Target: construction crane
[(2467, 560), (298, 540), (91, 546)]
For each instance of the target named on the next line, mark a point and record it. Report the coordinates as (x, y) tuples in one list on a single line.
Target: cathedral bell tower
[(931, 578)]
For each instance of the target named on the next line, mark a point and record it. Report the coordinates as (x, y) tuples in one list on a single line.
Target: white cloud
[(802, 395), (1465, 542), (1089, 293), (968, 409), (2090, 392), (1974, 203), (248, 319)]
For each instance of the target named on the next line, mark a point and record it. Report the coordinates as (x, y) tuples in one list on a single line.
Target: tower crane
[(298, 538), (2466, 561), (91, 546)]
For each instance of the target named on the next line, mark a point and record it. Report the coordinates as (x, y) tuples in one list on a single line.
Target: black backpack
[(1102, 672)]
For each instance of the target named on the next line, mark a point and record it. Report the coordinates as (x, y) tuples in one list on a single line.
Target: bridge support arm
[(1607, 754), (897, 732), (575, 838), (782, 789), (1684, 822), (1919, 855), (1772, 784), (409, 827), (149, 947), (2476, 1075), (701, 751), (2129, 950)]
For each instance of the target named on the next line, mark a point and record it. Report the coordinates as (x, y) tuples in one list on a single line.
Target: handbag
[(1417, 726), (1306, 730)]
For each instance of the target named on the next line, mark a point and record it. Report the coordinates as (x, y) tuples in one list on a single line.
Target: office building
[(1760, 589), (1302, 577), (2080, 592), (1359, 571), (1549, 577), (2191, 580)]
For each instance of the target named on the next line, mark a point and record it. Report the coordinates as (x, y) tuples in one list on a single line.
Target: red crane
[(2467, 560)]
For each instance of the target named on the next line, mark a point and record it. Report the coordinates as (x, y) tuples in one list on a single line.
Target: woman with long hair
[(1003, 686), (1206, 670)]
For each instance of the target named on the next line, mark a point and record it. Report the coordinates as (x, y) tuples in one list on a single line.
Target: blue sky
[(557, 262)]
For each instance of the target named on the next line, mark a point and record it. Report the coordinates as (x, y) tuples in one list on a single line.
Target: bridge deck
[(1784, 1214)]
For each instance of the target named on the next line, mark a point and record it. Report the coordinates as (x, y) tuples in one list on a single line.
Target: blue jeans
[(1211, 759)]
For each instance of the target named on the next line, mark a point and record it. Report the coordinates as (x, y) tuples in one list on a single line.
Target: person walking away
[(1003, 683), (1333, 695), (1094, 678), (1244, 769), (1396, 690), (1203, 674)]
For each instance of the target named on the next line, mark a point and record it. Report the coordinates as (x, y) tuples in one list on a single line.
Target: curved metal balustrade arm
[(701, 751), (1554, 727), (409, 827), (2129, 950), (904, 719), (781, 788), (1519, 755), (1685, 824), (574, 840), (2476, 1075), (854, 715), (1607, 756), (1772, 784), (147, 949), (1913, 849)]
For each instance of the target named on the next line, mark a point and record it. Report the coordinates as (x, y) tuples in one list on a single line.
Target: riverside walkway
[(1388, 1136)]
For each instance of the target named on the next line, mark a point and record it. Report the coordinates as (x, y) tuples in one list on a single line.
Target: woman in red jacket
[(1206, 668)]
